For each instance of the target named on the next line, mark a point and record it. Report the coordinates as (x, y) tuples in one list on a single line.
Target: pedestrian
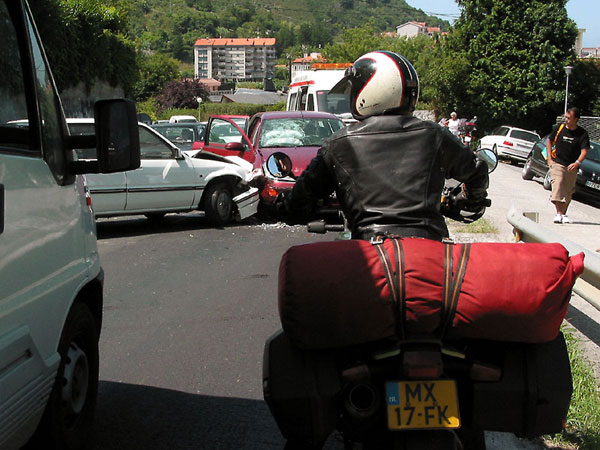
[(453, 123), (567, 147)]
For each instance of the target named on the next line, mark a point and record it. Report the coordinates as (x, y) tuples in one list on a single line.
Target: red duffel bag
[(343, 293)]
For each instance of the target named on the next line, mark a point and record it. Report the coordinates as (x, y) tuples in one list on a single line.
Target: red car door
[(225, 137)]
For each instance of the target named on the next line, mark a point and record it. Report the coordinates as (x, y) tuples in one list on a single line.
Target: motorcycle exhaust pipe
[(362, 401)]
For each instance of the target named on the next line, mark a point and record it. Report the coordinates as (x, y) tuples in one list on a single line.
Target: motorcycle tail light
[(508, 143), (422, 364)]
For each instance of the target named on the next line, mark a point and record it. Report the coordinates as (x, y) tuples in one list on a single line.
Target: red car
[(298, 134)]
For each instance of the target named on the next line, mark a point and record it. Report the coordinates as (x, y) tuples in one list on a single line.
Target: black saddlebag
[(534, 394), (300, 388)]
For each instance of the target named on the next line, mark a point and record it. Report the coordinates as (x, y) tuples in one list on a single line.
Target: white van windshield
[(333, 103)]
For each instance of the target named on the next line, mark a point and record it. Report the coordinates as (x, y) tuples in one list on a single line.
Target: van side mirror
[(116, 139), (117, 135)]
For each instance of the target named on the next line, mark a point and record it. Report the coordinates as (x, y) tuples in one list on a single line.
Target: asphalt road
[(187, 311)]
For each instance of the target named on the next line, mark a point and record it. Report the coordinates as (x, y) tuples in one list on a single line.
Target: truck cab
[(50, 275)]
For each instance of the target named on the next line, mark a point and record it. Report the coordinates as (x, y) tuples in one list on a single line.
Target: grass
[(583, 420), (479, 226)]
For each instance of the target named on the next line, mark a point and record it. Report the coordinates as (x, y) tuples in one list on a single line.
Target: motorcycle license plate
[(422, 404), (467, 138)]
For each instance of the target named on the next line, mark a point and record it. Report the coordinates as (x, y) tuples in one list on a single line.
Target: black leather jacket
[(388, 173)]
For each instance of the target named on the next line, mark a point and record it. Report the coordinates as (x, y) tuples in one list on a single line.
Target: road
[(187, 311)]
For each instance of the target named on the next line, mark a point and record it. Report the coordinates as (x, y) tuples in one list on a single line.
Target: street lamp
[(568, 70)]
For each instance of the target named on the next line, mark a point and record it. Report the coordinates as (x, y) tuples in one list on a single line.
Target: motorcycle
[(410, 392), (467, 132)]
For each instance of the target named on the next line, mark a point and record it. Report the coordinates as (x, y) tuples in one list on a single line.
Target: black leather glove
[(460, 200)]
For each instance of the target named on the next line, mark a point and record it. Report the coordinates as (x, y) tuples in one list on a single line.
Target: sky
[(585, 13)]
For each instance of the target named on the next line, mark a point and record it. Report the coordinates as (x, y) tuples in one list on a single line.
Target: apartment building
[(234, 59)]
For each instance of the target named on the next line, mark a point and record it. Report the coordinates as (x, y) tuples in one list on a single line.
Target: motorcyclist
[(388, 169)]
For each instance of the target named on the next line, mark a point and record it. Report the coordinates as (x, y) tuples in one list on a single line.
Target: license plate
[(467, 138), (422, 404), (592, 185)]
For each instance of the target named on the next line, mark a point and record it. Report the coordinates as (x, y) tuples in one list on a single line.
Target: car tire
[(547, 183), (218, 204), (68, 419), (527, 173)]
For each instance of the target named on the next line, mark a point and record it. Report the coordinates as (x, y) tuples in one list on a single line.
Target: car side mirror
[(234, 146)]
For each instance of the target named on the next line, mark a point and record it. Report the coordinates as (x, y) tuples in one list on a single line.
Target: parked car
[(510, 142), (51, 280), (169, 181), (588, 175), (298, 134), (183, 135)]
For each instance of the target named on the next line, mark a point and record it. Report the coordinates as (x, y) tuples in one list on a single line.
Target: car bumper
[(247, 203)]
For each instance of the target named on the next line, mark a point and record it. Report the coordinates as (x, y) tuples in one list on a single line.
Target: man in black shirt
[(571, 144)]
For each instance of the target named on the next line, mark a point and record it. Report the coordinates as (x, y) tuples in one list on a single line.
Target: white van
[(309, 91), (50, 275)]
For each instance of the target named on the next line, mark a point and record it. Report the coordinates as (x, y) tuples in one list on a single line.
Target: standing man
[(571, 144)]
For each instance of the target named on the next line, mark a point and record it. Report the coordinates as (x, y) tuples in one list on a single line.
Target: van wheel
[(68, 419), (218, 204)]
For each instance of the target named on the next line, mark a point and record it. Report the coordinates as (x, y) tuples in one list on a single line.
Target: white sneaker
[(565, 219), (558, 218)]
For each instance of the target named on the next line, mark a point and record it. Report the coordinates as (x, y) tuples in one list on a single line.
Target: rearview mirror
[(489, 157)]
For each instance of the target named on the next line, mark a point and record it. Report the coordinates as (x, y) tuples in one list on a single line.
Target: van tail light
[(422, 364), (508, 143)]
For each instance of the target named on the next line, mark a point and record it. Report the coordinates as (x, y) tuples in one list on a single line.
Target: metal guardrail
[(527, 230)]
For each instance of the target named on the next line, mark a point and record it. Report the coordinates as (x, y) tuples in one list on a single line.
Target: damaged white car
[(169, 181)]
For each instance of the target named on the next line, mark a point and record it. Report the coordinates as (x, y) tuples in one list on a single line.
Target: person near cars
[(388, 169), (571, 143), (454, 123)]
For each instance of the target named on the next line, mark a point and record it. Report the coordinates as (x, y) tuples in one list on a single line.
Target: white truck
[(50, 275), (309, 91)]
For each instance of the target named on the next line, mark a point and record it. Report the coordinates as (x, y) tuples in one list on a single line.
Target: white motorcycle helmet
[(380, 82)]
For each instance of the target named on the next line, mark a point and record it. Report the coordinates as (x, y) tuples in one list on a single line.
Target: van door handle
[(1, 208)]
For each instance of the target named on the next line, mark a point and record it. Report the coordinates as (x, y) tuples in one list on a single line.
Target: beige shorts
[(563, 183)]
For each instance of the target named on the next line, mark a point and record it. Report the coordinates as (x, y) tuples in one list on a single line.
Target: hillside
[(172, 26)]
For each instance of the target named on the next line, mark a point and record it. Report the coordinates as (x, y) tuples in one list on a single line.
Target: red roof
[(236, 42)]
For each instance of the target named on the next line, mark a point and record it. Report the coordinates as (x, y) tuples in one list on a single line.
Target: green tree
[(584, 86), (154, 72), (355, 42), (504, 61), (87, 40)]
